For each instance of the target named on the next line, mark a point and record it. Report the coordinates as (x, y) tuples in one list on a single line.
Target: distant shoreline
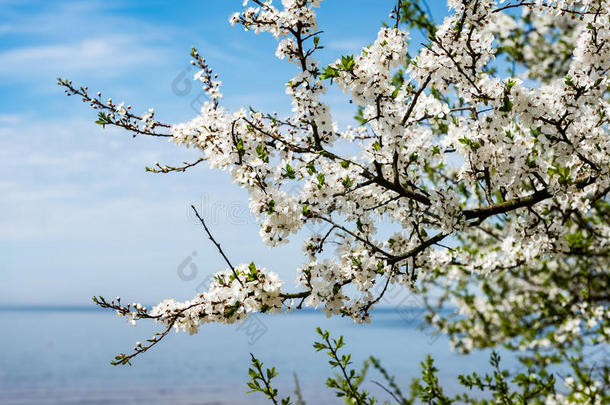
[(94, 308)]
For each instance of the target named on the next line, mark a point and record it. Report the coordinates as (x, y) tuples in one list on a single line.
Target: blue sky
[(79, 216)]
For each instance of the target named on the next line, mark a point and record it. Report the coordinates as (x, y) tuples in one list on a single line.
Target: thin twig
[(387, 390), (217, 244)]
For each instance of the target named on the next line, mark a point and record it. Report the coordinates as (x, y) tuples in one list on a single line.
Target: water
[(62, 356)]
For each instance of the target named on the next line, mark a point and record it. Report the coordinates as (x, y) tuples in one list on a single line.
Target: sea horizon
[(61, 354)]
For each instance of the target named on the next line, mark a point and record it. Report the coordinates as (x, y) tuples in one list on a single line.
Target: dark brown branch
[(520, 202), (420, 248), (414, 101)]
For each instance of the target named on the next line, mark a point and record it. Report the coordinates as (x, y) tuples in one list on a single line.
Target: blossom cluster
[(229, 299), (456, 170), (534, 151), (528, 140)]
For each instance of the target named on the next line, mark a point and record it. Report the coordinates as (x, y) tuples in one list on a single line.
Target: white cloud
[(54, 174), (11, 119), (55, 19), (105, 56), (91, 38), (347, 45), (43, 41)]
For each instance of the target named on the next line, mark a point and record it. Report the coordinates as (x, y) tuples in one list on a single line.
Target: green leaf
[(262, 153), (347, 182), (240, 147), (103, 119), (290, 173), (507, 106), (321, 180), (329, 72), (311, 169), (271, 207)]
